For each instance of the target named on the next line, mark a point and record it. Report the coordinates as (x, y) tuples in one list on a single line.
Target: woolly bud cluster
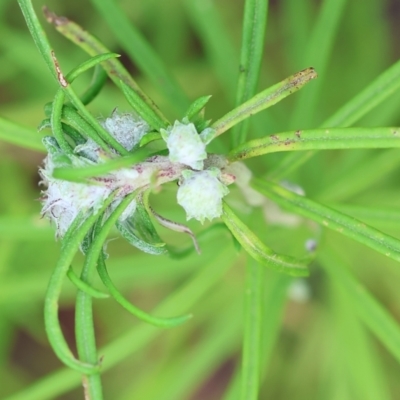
[(63, 200), (202, 177)]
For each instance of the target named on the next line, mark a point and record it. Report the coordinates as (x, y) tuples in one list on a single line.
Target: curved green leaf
[(118, 296), (258, 250), (330, 218)]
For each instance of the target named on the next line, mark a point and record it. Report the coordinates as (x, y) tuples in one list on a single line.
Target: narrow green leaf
[(265, 99), (118, 296), (143, 109), (252, 50), (130, 233), (373, 95), (330, 218), (92, 62), (81, 174), (49, 57), (383, 215), (373, 314), (258, 250), (14, 133), (85, 287), (142, 223), (319, 139), (102, 132), (86, 130), (38, 34), (55, 121), (196, 107), (139, 50), (99, 78), (88, 43)]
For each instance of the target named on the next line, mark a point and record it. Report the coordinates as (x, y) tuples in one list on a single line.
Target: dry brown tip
[(53, 18)]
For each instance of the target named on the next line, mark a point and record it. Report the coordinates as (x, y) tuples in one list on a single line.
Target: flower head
[(186, 145), (201, 193), (63, 200), (126, 128)]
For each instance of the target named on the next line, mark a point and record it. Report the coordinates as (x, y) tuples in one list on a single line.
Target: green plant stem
[(252, 49), (319, 139), (263, 100), (38, 34), (252, 340), (330, 218)]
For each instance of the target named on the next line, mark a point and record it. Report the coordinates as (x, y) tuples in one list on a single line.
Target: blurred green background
[(316, 347)]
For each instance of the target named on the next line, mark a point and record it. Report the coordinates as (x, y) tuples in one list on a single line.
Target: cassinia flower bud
[(185, 145), (63, 200), (126, 129), (201, 193)]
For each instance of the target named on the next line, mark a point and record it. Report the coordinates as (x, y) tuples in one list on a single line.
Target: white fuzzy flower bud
[(185, 145), (201, 193), (64, 200), (126, 129)]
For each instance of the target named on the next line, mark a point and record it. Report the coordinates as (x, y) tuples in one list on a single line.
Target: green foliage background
[(342, 342)]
